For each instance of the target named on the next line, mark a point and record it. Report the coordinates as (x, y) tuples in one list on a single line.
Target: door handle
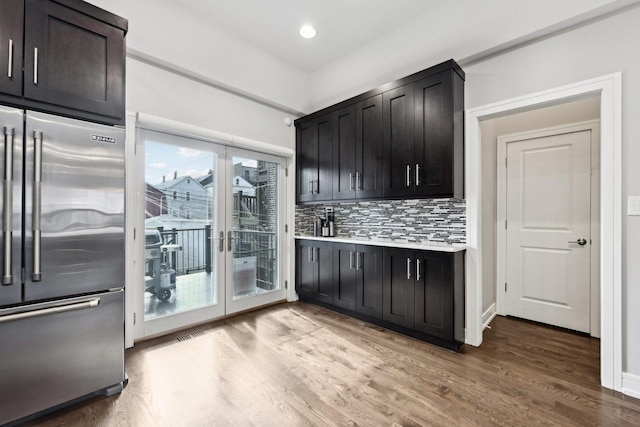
[(310, 186), (230, 241), (316, 254), (316, 186), (221, 247), (351, 187), (408, 268), (351, 260), (408, 181), (418, 276), (309, 254), (92, 303), (417, 174), (36, 276), (580, 241), (358, 181), (35, 65), (10, 66), (7, 226), (358, 265)]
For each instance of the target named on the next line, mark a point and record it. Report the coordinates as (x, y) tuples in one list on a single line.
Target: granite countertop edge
[(427, 246)]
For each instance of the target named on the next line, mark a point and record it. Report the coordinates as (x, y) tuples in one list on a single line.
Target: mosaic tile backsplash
[(440, 220)]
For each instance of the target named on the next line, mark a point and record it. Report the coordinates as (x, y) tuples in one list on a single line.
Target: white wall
[(598, 49), (172, 32), (572, 112)]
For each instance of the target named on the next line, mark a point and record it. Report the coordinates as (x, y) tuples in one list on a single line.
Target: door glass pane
[(255, 226), (180, 229)]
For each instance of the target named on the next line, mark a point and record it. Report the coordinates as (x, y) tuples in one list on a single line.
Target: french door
[(212, 231)]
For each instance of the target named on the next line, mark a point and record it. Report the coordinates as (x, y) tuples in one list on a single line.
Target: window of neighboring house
[(188, 195), (175, 212), (175, 195), (188, 213)]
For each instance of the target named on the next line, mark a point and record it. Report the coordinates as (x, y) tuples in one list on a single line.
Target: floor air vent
[(191, 335)]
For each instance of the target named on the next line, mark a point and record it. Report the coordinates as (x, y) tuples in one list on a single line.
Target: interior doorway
[(609, 88), (547, 263)]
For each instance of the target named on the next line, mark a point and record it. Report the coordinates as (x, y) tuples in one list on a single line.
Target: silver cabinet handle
[(7, 220), (310, 186), (10, 67), (418, 269), (408, 176), (221, 247), (358, 181), (417, 174), (408, 268), (316, 187), (35, 65), (230, 241), (351, 187), (358, 260), (309, 254), (351, 261), (580, 241), (316, 254), (36, 276), (51, 310)]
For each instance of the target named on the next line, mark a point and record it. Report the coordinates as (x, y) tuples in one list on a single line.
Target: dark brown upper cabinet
[(423, 138), (357, 147), (314, 159), (73, 55), (402, 140), (11, 45)]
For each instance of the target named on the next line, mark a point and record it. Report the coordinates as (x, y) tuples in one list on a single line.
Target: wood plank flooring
[(301, 365)]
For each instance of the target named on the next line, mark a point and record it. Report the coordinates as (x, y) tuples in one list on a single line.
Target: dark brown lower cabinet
[(314, 270), (415, 292)]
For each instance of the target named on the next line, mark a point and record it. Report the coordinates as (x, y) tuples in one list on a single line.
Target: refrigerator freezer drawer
[(53, 353)]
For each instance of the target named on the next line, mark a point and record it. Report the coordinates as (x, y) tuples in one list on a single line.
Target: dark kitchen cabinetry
[(73, 55), (11, 45), (424, 292), (314, 273), (423, 138), (314, 159), (358, 278), (402, 140), (357, 142), (416, 292)]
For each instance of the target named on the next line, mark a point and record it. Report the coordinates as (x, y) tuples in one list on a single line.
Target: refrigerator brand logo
[(100, 138)]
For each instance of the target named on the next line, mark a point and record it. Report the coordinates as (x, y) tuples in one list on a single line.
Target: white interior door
[(548, 229)]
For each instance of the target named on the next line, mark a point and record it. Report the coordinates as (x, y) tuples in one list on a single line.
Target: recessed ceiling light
[(307, 31)]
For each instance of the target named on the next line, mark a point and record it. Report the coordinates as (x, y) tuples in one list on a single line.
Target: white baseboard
[(631, 385), (488, 316)]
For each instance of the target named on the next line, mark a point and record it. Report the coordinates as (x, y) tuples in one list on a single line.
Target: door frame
[(609, 88), (501, 196)]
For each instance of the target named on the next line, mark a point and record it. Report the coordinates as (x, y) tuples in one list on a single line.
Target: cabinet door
[(344, 264), (368, 180), (434, 294), (398, 132), (306, 161), (11, 27), (324, 185), (433, 173), (369, 281), (344, 148), (323, 257), (306, 269), (398, 287), (73, 60)]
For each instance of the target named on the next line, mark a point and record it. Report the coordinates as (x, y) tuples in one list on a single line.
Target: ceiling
[(343, 25)]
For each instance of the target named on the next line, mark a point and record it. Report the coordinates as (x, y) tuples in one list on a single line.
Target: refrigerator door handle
[(36, 276), (7, 220), (94, 302)]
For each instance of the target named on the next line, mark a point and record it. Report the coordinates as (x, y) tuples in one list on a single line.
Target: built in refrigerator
[(62, 291)]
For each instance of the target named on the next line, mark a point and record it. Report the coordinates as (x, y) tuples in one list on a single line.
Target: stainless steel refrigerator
[(62, 290)]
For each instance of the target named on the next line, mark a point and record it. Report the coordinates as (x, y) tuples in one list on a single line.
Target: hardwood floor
[(301, 365)]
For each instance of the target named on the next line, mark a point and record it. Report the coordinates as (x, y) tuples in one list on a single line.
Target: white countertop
[(425, 246)]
